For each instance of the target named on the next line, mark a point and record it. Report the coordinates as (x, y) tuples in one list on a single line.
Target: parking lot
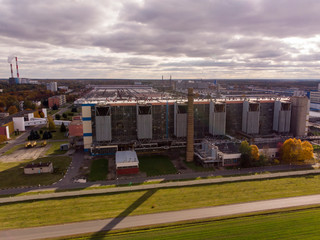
[(25, 154)]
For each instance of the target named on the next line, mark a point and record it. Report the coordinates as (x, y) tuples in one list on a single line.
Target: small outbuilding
[(64, 147), (127, 162), (37, 168)]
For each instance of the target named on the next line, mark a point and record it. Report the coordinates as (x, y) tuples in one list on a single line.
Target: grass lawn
[(156, 165), (13, 149), (83, 208), (299, 224), (99, 169), (2, 145), (11, 174), (55, 148)]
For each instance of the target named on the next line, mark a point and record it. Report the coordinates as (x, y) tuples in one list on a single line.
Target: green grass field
[(99, 169), (11, 174), (156, 165), (55, 148), (300, 224), (150, 201)]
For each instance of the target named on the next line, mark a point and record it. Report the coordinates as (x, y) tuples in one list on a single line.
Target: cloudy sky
[(147, 39)]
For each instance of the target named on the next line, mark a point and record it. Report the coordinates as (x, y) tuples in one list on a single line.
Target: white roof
[(126, 158)]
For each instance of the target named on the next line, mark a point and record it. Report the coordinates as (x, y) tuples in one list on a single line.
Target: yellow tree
[(254, 152), (12, 110), (295, 151), (307, 151), (51, 124)]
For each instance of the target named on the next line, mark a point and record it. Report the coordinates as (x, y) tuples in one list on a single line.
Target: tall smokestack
[(190, 127), (17, 67), (11, 70)]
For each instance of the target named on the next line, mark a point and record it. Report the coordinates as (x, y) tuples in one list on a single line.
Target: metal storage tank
[(144, 121), (250, 117), (282, 116), (299, 115), (180, 119), (217, 118), (103, 123)]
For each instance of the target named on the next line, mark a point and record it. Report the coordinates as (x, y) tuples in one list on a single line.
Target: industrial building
[(127, 162), (116, 117), (52, 86)]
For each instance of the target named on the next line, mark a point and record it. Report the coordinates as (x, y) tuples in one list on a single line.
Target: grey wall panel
[(103, 128), (253, 122), (144, 126), (219, 123), (277, 107), (181, 125), (245, 110)]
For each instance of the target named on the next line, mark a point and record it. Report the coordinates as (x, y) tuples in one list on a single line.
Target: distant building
[(56, 100), (52, 86), (75, 128), (37, 168)]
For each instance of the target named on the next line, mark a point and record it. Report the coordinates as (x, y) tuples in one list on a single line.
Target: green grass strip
[(92, 207), (300, 224)]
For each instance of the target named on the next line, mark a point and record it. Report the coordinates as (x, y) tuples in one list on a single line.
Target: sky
[(205, 39)]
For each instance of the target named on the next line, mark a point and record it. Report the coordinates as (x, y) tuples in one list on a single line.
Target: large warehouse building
[(140, 116)]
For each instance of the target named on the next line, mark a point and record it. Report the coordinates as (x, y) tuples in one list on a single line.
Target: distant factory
[(119, 116), (18, 80)]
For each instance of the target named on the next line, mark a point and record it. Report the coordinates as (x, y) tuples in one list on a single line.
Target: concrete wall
[(87, 127), (37, 170), (144, 123), (250, 117), (19, 123), (299, 116), (217, 119), (180, 122), (103, 128), (281, 117)]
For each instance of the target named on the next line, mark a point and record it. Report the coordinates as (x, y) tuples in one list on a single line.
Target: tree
[(55, 107), (58, 117), (63, 128), (74, 109), (245, 150), (295, 151), (41, 114), (12, 110), (51, 124), (254, 153)]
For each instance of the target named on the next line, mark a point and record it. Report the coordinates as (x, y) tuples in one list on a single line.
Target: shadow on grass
[(104, 231)]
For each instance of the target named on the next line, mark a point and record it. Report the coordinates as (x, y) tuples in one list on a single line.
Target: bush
[(64, 115), (74, 109), (58, 117)]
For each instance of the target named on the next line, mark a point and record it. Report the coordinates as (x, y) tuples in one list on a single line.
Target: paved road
[(156, 218), (153, 186), (170, 177)]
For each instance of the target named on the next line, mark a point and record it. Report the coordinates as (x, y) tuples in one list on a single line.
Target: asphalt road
[(157, 218)]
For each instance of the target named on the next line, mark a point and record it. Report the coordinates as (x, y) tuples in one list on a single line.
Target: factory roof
[(126, 159)]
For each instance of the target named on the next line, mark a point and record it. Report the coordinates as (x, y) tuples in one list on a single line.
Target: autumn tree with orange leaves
[(295, 151)]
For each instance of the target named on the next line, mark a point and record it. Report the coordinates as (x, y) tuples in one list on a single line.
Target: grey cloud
[(42, 20)]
